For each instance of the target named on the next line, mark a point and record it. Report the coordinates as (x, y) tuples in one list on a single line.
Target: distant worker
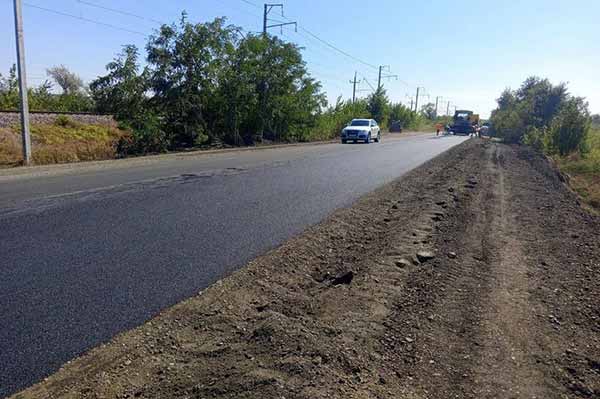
[(438, 128)]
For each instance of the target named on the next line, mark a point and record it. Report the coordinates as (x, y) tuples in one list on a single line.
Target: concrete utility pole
[(437, 100), (354, 83), (22, 83), (266, 26), (417, 100), (381, 68), (448, 109)]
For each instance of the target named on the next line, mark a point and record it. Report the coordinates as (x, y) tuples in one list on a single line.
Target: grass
[(585, 170), (61, 142)]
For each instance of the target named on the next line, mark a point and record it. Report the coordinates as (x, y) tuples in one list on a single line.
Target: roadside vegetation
[(206, 85), (62, 142), (547, 117), (73, 98), (584, 169)]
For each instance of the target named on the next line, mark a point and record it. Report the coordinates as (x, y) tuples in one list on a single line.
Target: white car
[(364, 130)]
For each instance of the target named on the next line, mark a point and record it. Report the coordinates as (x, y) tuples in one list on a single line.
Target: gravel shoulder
[(477, 275)]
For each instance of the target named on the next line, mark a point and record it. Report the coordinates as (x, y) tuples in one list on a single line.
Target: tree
[(69, 82), (428, 110), (184, 63), (41, 97), (122, 92), (570, 126), (542, 115), (378, 105), (9, 90), (532, 106), (408, 118)]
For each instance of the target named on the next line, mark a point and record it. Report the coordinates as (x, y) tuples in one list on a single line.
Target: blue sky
[(466, 51)]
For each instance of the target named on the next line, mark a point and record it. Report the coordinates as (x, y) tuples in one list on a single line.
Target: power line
[(337, 49), (251, 3), (116, 11), (93, 21), (323, 41)]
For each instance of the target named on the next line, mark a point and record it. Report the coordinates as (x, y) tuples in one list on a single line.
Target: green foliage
[(584, 169), (9, 90), (65, 121), (268, 93), (542, 115), (68, 81), (570, 127), (331, 122), (205, 83), (379, 106), (147, 136), (408, 118), (122, 92), (428, 111), (41, 98), (184, 63)]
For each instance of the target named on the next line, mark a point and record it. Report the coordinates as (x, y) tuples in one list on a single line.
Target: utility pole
[(417, 100), (22, 83), (354, 83), (268, 8), (381, 68), (448, 109), (437, 100)]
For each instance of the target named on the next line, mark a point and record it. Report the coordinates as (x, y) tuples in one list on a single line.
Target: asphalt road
[(90, 250)]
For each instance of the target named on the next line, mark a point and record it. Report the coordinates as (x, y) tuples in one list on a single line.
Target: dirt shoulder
[(505, 304)]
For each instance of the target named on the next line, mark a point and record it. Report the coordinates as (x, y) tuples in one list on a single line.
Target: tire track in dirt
[(480, 341), (506, 365)]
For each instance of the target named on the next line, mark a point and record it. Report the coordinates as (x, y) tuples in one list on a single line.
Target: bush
[(542, 115), (409, 119), (536, 138), (331, 122), (65, 121), (145, 136), (570, 127)]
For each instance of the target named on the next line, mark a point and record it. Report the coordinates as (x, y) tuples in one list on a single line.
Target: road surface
[(88, 251)]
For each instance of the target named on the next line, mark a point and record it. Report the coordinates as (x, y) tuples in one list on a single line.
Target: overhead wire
[(332, 46), (89, 20), (117, 11)]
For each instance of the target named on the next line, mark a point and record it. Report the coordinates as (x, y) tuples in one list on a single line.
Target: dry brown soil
[(509, 307)]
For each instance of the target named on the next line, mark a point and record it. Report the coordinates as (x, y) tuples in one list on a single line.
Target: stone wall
[(10, 118)]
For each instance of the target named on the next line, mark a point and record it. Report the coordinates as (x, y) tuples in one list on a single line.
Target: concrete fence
[(11, 118)]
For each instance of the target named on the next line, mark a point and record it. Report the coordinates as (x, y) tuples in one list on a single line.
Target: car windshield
[(359, 123)]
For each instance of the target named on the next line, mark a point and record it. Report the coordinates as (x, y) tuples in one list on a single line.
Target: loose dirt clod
[(343, 278), (425, 256), (402, 263)]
